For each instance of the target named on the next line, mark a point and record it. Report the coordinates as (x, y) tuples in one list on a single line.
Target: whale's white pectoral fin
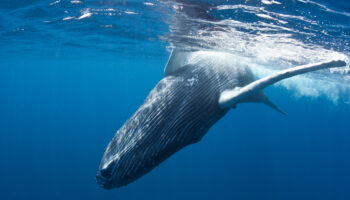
[(230, 98)]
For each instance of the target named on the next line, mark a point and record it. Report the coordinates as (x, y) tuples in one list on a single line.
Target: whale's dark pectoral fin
[(229, 98), (269, 103)]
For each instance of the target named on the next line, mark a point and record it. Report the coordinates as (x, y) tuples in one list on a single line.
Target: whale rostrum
[(197, 90)]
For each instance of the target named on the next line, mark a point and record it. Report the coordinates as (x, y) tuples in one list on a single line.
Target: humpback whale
[(197, 90)]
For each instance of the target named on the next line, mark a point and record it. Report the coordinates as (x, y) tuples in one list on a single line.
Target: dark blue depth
[(61, 104)]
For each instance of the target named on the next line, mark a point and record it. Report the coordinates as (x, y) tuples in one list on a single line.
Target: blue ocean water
[(72, 72)]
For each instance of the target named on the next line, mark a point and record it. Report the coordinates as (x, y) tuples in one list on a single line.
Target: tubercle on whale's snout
[(103, 178), (102, 181)]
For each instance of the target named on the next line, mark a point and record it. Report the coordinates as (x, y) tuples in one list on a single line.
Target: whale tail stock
[(229, 98)]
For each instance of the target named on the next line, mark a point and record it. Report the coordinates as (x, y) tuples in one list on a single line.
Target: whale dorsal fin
[(177, 59), (230, 98)]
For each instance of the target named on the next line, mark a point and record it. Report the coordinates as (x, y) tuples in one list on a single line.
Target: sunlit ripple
[(269, 34), (271, 39)]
